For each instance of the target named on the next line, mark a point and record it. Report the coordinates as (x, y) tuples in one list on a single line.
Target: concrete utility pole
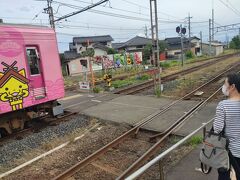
[(146, 31), (201, 42), (152, 32), (49, 11), (210, 38), (181, 43), (189, 31), (213, 20), (155, 41), (212, 24), (227, 39)]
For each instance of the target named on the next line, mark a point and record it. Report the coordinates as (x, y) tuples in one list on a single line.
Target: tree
[(89, 52), (147, 51), (189, 54), (111, 51), (162, 46), (235, 43)]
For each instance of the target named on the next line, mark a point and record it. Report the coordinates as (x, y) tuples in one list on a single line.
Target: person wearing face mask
[(228, 112)]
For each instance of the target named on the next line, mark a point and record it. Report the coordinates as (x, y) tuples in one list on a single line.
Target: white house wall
[(100, 52)]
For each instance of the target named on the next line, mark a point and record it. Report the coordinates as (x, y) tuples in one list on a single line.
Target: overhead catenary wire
[(147, 8), (87, 25), (115, 14), (230, 8), (96, 27), (110, 7), (81, 10)]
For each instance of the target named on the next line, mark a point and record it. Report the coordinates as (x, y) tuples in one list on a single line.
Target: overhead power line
[(115, 14), (104, 12), (110, 7), (96, 27), (147, 8), (82, 10), (231, 8)]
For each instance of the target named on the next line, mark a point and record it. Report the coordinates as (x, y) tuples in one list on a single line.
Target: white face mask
[(224, 90)]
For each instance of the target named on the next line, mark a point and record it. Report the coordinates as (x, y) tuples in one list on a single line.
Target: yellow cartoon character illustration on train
[(13, 85)]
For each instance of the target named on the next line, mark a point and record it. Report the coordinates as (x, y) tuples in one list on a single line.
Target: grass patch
[(130, 81), (144, 77), (195, 140), (123, 83), (97, 89), (185, 85), (175, 139), (158, 92)]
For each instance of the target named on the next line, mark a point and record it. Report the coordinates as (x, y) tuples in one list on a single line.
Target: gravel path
[(16, 148)]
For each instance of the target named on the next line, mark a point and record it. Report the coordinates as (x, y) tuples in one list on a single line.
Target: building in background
[(216, 48), (135, 44), (174, 46), (81, 44)]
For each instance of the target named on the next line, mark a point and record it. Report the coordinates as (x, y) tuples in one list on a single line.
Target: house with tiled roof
[(81, 44)]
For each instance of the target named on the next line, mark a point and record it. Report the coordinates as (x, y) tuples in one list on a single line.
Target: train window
[(33, 60)]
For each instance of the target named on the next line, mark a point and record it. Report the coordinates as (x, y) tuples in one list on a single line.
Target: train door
[(35, 73)]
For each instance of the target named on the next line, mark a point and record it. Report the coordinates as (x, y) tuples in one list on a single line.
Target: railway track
[(101, 81), (149, 84), (42, 122), (133, 132)]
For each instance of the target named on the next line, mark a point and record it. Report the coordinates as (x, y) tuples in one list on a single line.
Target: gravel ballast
[(16, 148)]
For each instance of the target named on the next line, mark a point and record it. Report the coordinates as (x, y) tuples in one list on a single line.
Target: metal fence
[(160, 156)]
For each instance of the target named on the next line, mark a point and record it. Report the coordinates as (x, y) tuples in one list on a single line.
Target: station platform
[(188, 168), (131, 109)]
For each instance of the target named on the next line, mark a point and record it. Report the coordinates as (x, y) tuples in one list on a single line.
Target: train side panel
[(30, 70)]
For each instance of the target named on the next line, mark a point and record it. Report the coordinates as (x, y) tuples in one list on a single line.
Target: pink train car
[(30, 74)]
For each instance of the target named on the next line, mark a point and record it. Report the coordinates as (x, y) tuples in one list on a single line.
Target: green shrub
[(122, 83), (158, 92), (165, 64), (189, 54), (96, 89), (144, 77), (195, 140)]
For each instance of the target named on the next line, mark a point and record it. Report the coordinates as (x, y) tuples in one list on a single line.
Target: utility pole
[(49, 11), (82, 10), (210, 38), (227, 40), (152, 32), (181, 31), (189, 31), (181, 43), (212, 24), (155, 41), (213, 20), (201, 41), (146, 31)]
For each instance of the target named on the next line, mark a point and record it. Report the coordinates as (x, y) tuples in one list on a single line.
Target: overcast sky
[(124, 19)]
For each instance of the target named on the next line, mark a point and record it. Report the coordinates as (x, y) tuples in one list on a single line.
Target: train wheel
[(3, 132)]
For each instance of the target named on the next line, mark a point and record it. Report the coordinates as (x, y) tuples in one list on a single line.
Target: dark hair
[(234, 79)]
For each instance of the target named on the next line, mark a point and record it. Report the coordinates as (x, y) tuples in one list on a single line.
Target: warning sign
[(84, 85)]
